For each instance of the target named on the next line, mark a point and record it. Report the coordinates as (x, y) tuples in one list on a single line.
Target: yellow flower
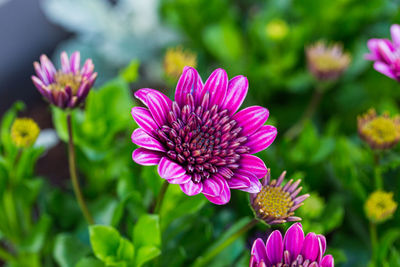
[(327, 62), (176, 58), (380, 132), (277, 29), (24, 132), (380, 206)]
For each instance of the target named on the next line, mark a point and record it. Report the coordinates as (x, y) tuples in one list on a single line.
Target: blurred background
[(264, 40)]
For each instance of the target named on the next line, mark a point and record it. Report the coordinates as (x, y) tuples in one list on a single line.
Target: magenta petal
[(65, 63), (143, 118), (142, 95), (188, 83), (159, 106), (395, 33), (310, 247), (146, 157), (293, 240), (275, 247), (141, 138), (168, 169), (191, 188), (211, 187), (322, 246), (259, 251), (384, 69), (180, 180), (254, 186), (251, 119), (216, 85), (262, 138), (240, 180), (75, 61), (225, 194), (253, 164), (385, 52), (236, 93), (327, 261)]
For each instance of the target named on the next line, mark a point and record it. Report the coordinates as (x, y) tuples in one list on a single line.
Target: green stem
[(74, 174), (295, 130), (377, 172), (374, 240), (160, 197), (208, 256)]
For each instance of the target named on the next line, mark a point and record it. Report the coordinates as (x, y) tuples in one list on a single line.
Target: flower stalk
[(160, 197), (74, 174)]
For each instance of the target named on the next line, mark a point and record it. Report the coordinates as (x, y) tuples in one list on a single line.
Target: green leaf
[(105, 242), (34, 242), (89, 262), (125, 250), (68, 250), (147, 231), (386, 242), (130, 73), (146, 254)]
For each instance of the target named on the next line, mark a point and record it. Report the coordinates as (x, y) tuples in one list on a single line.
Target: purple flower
[(199, 141), (386, 54), (292, 250), (68, 87), (276, 203)]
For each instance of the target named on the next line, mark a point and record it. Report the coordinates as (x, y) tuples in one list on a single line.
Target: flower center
[(273, 201), (24, 132), (326, 61), (204, 141), (380, 206), (382, 130), (61, 80)]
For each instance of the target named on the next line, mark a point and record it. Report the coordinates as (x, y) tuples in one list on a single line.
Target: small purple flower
[(292, 250), (276, 203), (199, 141), (386, 54), (68, 87)]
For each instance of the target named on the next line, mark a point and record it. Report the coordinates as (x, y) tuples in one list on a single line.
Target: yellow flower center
[(176, 59), (277, 29), (273, 201), (66, 79), (326, 62), (380, 206), (24, 132), (382, 130)]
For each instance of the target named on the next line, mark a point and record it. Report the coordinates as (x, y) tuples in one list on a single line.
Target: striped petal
[(262, 138), (251, 119), (168, 169), (275, 247), (253, 164), (236, 93), (143, 118), (191, 188), (146, 157), (188, 84), (141, 138), (225, 194)]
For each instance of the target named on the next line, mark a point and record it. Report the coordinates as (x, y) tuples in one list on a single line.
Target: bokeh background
[(264, 40)]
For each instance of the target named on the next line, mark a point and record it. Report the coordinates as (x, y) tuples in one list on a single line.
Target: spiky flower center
[(62, 80), (382, 129), (203, 140), (24, 132), (380, 206), (274, 202)]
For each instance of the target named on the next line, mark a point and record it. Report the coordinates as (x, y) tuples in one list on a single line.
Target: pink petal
[(327, 261), (141, 138), (143, 118), (259, 251), (169, 169), (188, 84), (143, 93), (191, 188), (322, 246), (211, 187), (253, 164), (237, 91), (384, 69), (88, 67), (159, 106), (262, 138), (310, 248), (225, 194), (240, 180), (385, 52), (275, 247), (255, 185), (293, 240), (48, 68), (395, 33), (75, 61), (251, 119), (180, 180), (216, 85), (146, 157), (373, 47), (65, 63)]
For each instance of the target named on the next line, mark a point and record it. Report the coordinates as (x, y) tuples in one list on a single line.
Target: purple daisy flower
[(293, 250), (68, 87), (386, 54), (199, 141)]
